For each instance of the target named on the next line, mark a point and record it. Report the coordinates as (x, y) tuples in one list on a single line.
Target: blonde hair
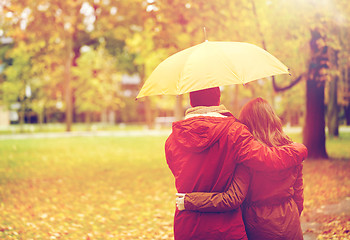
[(263, 123)]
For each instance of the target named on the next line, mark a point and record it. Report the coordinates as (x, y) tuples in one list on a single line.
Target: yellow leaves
[(87, 190), (96, 80), (337, 228), (324, 181), (324, 184), (43, 216), (111, 188)]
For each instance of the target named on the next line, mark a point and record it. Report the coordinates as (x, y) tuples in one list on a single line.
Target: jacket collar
[(212, 111)]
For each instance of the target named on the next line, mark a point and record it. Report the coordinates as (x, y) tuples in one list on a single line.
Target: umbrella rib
[(183, 69), (233, 73)]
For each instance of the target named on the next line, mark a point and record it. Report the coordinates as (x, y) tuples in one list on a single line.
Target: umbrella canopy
[(211, 64)]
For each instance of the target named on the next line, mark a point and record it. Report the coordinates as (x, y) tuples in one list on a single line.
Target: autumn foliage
[(121, 188)]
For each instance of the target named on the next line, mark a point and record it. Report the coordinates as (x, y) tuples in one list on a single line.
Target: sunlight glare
[(113, 10), (9, 14), (43, 7), (86, 9)]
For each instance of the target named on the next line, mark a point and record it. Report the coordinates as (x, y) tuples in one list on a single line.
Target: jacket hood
[(196, 134)]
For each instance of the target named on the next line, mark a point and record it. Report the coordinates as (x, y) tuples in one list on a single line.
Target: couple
[(219, 162)]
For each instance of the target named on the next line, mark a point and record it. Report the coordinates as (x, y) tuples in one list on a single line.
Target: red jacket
[(272, 205), (202, 153)]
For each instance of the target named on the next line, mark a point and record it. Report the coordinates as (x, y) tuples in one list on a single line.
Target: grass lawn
[(115, 187)]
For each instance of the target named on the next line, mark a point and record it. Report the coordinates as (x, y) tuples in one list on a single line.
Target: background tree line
[(67, 60)]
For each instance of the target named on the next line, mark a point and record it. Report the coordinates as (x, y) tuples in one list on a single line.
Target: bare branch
[(281, 89)]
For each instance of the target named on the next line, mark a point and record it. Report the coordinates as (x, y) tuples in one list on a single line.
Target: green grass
[(337, 148), (113, 187)]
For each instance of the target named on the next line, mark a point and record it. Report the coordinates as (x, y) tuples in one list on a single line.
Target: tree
[(342, 34), (332, 106), (26, 19), (314, 130), (68, 26), (18, 75), (96, 83), (317, 20)]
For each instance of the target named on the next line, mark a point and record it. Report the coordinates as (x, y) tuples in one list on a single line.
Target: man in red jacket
[(202, 153)]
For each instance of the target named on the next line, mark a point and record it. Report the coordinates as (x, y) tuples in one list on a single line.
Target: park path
[(120, 133), (313, 229)]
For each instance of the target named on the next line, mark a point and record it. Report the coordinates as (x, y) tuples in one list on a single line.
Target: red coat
[(202, 153), (272, 205)]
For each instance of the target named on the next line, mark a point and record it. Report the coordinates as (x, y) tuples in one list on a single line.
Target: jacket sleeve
[(224, 201), (299, 189), (169, 155), (259, 156)]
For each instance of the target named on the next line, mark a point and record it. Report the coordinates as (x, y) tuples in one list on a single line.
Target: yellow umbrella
[(211, 64)]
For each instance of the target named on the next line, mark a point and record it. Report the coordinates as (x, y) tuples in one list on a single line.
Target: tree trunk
[(179, 111), (314, 129), (347, 114), (294, 118), (332, 110), (147, 104), (41, 118), (346, 93), (88, 120), (148, 113), (22, 114), (68, 87)]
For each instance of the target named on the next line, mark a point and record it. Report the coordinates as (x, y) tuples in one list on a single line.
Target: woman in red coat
[(202, 153), (273, 200)]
